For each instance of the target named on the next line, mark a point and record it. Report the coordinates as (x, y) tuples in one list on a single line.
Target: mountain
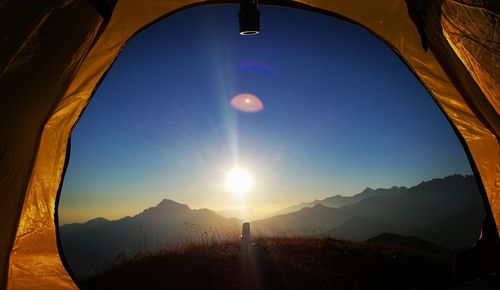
[(463, 227), (96, 243), (389, 239), (360, 228), (77, 227), (424, 204), (340, 200), (446, 211), (306, 221)]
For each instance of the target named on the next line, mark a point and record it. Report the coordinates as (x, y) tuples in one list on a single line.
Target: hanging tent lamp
[(249, 16)]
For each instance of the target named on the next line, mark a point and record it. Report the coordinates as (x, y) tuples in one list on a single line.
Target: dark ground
[(281, 263)]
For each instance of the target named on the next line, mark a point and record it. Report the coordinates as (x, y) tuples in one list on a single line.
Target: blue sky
[(341, 112)]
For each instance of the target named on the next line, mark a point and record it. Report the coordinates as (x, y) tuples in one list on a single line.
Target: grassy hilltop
[(281, 263)]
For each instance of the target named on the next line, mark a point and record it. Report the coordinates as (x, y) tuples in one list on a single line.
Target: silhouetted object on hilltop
[(245, 239)]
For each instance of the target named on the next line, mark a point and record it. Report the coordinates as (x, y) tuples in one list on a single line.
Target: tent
[(54, 53)]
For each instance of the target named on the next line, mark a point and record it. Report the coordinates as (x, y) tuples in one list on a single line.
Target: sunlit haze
[(239, 181), (309, 108)]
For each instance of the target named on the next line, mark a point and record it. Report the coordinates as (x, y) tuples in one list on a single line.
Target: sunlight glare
[(238, 181)]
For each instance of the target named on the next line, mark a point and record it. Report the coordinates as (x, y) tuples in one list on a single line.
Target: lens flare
[(247, 103)]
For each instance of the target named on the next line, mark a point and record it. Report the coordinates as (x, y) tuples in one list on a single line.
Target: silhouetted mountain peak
[(96, 221), (309, 203), (456, 184), (168, 206), (315, 209), (319, 206), (370, 192), (167, 223), (170, 203), (450, 178)]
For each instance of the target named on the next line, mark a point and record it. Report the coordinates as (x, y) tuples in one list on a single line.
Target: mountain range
[(446, 211), (99, 241), (340, 200)]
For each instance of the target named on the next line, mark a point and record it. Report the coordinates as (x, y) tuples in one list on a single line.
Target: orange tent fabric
[(54, 54)]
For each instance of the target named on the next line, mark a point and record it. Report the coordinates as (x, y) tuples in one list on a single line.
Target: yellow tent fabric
[(55, 52)]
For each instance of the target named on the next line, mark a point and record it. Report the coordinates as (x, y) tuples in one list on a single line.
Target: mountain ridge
[(341, 200), (433, 210), (168, 223), (451, 204)]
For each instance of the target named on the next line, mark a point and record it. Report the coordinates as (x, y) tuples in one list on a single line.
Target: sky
[(341, 112)]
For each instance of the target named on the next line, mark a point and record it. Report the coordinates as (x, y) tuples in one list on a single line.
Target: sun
[(238, 181)]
